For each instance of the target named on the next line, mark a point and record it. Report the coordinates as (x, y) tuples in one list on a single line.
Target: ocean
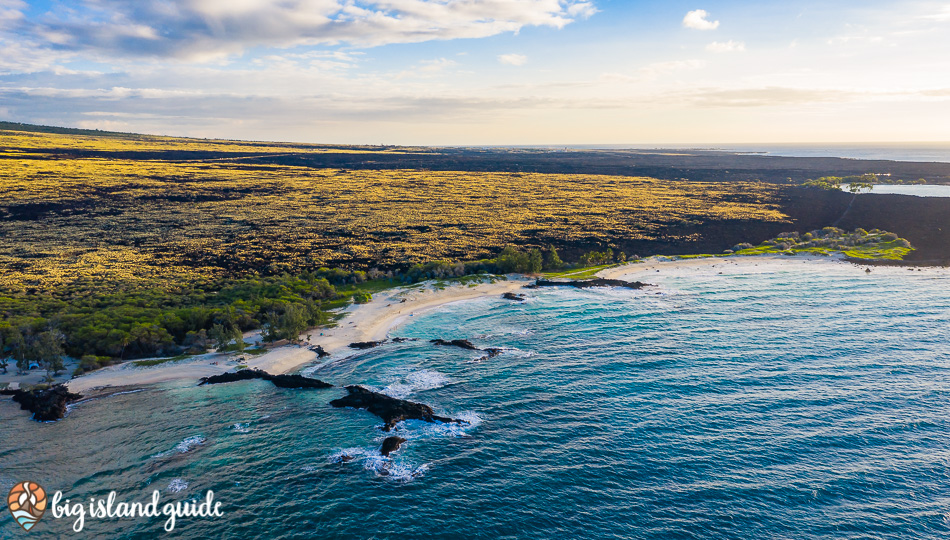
[(793, 399), (923, 152), (917, 151)]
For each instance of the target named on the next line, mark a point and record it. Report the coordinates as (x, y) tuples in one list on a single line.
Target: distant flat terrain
[(96, 206), (668, 164)]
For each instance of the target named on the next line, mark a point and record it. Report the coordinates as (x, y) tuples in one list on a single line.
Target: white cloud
[(697, 20), (943, 15), (770, 96), (24, 57), (659, 69), (513, 59), (11, 12), (581, 10), (427, 68), (725, 46), (207, 29), (652, 72), (438, 64)]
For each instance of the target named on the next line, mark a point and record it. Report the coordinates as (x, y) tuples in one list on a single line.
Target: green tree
[(270, 326), (197, 340), (220, 336), (150, 338), (48, 349), (858, 183), (18, 350), (831, 183), (238, 338), (88, 362), (293, 321), (511, 260), (551, 259), (535, 261)]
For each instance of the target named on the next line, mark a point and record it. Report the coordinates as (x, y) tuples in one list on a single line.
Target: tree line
[(100, 327)]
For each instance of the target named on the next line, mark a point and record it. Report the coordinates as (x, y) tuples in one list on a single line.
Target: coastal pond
[(917, 190)]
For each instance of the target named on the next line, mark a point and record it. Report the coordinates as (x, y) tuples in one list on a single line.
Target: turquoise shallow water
[(784, 400)]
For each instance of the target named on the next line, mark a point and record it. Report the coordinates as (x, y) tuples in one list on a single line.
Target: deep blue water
[(785, 400)]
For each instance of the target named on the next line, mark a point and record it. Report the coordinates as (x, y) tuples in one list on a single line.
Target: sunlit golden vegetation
[(69, 218), (14, 143), (118, 246)]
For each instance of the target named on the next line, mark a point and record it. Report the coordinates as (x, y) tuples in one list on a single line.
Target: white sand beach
[(374, 320), (365, 322), (641, 270)]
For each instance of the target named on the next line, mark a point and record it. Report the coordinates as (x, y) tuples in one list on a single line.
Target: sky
[(492, 72)]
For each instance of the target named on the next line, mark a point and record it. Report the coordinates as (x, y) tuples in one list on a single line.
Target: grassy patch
[(160, 361), (697, 256), (580, 273), (859, 244), (892, 251)]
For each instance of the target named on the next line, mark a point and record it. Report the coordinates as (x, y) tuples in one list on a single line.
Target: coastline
[(652, 264), (373, 321), (360, 322)]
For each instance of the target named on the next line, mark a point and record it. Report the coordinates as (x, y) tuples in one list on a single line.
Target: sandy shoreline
[(373, 321), (366, 322), (633, 271)]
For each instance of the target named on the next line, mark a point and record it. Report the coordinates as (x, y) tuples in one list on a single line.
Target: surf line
[(107, 508)]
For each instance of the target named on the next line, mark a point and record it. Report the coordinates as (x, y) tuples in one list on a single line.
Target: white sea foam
[(506, 331), (242, 427), (137, 390), (190, 443), (370, 459), (419, 429), (69, 407), (177, 485), (512, 351), (416, 381), (186, 445), (401, 472)]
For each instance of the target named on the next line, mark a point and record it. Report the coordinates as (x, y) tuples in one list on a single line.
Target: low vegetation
[(858, 183), (108, 256), (858, 244), (104, 327), (71, 218)]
